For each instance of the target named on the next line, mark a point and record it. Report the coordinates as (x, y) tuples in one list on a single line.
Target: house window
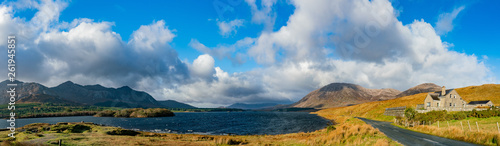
[(454, 96), (437, 104), (450, 104), (428, 104)]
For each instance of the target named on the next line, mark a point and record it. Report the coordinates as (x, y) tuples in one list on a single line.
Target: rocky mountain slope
[(175, 104), (343, 94), (252, 106), (83, 95), (422, 88), (44, 98)]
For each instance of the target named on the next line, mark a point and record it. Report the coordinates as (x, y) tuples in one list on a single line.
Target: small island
[(136, 113)]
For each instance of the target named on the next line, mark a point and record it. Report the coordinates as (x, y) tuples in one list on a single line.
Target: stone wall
[(395, 111)]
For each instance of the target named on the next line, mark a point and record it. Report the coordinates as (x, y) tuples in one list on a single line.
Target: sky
[(218, 52)]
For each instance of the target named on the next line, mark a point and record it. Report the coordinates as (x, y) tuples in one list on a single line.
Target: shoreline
[(328, 123), (352, 131)]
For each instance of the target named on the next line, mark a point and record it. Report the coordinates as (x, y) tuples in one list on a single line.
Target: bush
[(330, 128), (78, 128), (121, 131), (136, 113), (410, 113), (434, 116), (105, 113)]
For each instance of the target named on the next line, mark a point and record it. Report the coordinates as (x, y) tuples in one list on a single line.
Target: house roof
[(434, 96), (479, 102), (447, 92)]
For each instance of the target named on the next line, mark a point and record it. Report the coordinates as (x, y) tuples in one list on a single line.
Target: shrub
[(136, 113), (410, 113), (121, 131), (105, 113), (434, 116)]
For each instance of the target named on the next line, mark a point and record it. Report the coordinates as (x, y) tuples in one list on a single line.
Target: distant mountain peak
[(422, 88), (339, 86), (343, 94), (252, 106), (68, 82), (125, 88), (86, 95)]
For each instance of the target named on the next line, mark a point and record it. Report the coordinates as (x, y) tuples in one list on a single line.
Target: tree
[(410, 113)]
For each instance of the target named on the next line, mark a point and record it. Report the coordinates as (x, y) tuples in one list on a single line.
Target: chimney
[(443, 91)]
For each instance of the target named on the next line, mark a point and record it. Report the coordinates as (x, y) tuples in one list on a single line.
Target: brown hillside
[(422, 88), (375, 110), (343, 94)]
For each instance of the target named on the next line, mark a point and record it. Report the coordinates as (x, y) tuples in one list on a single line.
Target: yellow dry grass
[(453, 132), (375, 110), (483, 92)]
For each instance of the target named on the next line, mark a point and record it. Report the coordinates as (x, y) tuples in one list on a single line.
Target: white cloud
[(359, 42), (48, 13), (228, 28), (150, 37), (445, 21), (265, 14), (203, 66), (234, 52), (88, 52)]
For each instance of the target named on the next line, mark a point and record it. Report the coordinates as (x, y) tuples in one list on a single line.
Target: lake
[(219, 123)]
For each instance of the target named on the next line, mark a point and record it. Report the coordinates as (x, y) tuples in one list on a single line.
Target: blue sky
[(218, 52), (474, 31)]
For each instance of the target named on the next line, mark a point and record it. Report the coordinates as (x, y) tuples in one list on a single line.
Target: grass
[(375, 110), (488, 133)]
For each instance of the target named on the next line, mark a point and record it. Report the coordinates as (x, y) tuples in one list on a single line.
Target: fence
[(465, 126)]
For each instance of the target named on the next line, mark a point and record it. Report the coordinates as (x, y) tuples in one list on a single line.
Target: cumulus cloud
[(203, 66), (89, 52), (324, 41), (263, 13), (151, 37), (234, 52), (228, 28), (360, 42), (445, 21)]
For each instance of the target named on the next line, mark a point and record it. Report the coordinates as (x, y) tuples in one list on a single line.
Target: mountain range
[(346, 94), (71, 93), (332, 95), (252, 106)]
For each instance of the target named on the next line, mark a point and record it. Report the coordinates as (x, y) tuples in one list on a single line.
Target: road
[(407, 137)]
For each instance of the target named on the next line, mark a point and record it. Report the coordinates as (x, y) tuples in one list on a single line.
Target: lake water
[(240, 123)]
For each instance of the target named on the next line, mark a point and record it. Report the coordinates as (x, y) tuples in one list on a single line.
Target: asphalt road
[(407, 137)]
